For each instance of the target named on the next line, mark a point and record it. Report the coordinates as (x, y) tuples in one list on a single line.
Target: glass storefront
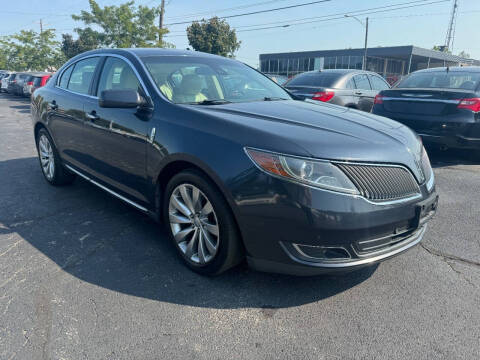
[(295, 65)]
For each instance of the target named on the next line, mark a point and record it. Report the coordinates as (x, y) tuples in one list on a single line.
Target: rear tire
[(50, 162), (200, 224)]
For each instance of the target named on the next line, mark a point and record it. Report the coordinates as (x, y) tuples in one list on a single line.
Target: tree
[(441, 48), (29, 50), (213, 36), (463, 54), (121, 26), (87, 40)]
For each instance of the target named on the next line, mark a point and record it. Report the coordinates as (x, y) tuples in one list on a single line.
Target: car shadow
[(100, 240), (449, 157)]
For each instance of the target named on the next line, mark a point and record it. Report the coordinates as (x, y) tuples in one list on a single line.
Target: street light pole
[(364, 62), (366, 40)]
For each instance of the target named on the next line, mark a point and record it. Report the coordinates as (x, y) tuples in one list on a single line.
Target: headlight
[(427, 170), (317, 173)]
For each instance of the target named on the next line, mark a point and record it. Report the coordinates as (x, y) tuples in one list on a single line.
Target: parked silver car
[(346, 87)]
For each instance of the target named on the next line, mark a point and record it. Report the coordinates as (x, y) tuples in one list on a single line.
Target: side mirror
[(120, 99)]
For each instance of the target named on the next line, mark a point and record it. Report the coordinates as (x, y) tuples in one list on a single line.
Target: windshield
[(186, 80), (441, 79), (321, 79)]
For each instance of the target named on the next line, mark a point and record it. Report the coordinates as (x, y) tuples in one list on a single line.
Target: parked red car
[(35, 81)]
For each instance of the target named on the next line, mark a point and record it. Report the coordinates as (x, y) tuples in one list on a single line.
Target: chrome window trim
[(129, 63), (383, 203), (389, 98), (128, 201)]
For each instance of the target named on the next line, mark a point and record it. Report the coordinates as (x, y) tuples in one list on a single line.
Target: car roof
[(340, 71), (475, 69), (141, 52)]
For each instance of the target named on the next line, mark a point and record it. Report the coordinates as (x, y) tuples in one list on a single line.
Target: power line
[(353, 12), (226, 9), (257, 12), (337, 15)]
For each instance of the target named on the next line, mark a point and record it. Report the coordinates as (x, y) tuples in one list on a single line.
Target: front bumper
[(280, 227)]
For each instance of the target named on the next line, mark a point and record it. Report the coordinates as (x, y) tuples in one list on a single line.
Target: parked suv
[(15, 86), (9, 82), (4, 80), (441, 104), (233, 166), (351, 88), (34, 81)]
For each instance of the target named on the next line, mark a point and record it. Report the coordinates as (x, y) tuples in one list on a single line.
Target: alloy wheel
[(194, 224), (46, 157)]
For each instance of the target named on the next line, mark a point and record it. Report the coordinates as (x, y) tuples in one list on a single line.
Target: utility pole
[(451, 25), (41, 26), (364, 62), (160, 21), (366, 41)]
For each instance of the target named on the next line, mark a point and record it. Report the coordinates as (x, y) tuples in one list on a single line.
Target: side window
[(117, 75), (362, 82), (378, 83), (350, 84), (65, 76), (82, 75)]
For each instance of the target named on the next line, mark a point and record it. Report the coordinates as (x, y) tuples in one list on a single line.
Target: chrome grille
[(381, 183)]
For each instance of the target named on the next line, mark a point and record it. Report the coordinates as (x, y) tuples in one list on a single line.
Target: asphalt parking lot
[(84, 276)]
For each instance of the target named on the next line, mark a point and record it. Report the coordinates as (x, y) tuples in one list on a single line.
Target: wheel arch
[(181, 162)]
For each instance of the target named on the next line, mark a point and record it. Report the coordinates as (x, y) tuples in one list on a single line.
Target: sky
[(423, 26)]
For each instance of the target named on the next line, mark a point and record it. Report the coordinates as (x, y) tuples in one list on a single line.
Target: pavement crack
[(449, 256), (450, 259)]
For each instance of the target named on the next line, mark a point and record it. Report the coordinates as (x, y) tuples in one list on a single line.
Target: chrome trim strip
[(106, 189), (390, 202), (388, 98), (139, 78), (417, 237)]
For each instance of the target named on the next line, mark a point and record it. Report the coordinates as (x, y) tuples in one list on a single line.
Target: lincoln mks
[(234, 166)]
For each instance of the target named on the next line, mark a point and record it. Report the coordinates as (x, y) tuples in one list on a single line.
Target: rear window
[(37, 81), (441, 79), (321, 79)]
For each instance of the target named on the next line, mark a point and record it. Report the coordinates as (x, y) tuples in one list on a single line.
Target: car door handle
[(92, 116), (358, 93), (53, 105)]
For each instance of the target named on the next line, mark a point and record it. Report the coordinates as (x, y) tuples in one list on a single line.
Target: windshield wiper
[(268, 98), (211, 102)]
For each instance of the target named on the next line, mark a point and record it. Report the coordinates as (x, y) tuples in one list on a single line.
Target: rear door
[(363, 93), (66, 115), (116, 138)]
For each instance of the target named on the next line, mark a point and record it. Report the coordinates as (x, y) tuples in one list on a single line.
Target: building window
[(330, 62)]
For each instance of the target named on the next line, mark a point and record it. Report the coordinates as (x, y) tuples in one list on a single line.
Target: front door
[(117, 137)]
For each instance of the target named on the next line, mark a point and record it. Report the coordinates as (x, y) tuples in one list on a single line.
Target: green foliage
[(213, 36), (29, 50), (464, 54), (441, 48), (121, 26), (87, 40)]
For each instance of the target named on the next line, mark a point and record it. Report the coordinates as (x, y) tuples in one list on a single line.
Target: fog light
[(322, 252)]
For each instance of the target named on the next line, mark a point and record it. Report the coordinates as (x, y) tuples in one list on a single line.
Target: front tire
[(50, 163), (201, 224)]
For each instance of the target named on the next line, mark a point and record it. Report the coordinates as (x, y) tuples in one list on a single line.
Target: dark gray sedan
[(351, 88)]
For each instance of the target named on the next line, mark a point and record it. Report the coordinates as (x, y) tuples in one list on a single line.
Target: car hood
[(321, 130)]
